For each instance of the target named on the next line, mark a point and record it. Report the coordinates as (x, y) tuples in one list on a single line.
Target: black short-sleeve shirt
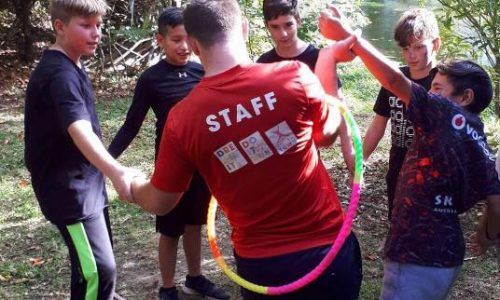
[(402, 131), (66, 185), (448, 168), (309, 56)]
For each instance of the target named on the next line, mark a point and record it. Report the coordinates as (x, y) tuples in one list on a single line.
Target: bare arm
[(92, 148), (373, 135), (329, 131), (152, 199), (488, 229), (327, 61)]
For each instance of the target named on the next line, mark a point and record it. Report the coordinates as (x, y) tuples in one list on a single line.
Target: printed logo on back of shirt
[(444, 204), (402, 129), (256, 148), (282, 137), (459, 122), (230, 157)]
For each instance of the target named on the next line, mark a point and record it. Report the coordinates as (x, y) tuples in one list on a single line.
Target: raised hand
[(333, 25)]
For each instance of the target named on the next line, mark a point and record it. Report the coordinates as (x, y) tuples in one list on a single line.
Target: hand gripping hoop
[(345, 230)]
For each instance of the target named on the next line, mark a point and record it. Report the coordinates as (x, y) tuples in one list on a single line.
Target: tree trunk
[(24, 30)]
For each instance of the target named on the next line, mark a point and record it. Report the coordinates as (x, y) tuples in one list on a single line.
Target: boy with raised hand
[(282, 20), (417, 35), (160, 87), (64, 152), (448, 168), (252, 131)]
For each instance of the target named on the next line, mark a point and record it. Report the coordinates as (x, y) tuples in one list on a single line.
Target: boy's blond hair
[(419, 24), (64, 10)]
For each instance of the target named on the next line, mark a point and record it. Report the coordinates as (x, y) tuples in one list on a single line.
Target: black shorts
[(341, 280), (191, 210)]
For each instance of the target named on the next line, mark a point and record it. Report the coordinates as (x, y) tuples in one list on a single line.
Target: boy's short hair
[(417, 24), (272, 9), (170, 17), (466, 74), (210, 21), (64, 10)]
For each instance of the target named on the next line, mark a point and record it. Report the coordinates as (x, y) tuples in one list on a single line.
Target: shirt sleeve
[(66, 93), (135, 117), (382, 106), (315, 95), (173, 170)]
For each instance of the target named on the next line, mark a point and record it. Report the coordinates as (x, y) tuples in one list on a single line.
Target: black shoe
[(168, 293), (200, 285)]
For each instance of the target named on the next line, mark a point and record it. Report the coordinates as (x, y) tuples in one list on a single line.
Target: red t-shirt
[(249, 133)]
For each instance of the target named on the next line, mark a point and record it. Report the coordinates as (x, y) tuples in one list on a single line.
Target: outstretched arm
[(327, 61), (152, 199), (92, 148), (334, 26)]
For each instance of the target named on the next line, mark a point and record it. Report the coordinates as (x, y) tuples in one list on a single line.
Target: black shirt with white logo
[(160, 87), (308, 56), (448, 168), (390, 106), (66, 185)]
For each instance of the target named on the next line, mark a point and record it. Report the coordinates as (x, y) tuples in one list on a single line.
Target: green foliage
[(471, 28), (258, 39), (358, 86)]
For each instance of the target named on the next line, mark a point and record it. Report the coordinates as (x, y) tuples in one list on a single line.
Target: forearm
[(326, 71), (92, 148), (346, 145), (152, 199), (488, 230), (122, 140), (373, 135)]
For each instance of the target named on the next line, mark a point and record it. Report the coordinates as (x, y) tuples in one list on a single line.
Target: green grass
[(33, 258)]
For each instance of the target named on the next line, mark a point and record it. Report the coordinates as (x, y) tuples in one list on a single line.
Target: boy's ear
[(467, 97), (194, 46), (58, 26), (159, 38), (436, 45)]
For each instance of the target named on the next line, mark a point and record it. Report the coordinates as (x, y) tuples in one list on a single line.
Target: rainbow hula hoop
[(345, 230)]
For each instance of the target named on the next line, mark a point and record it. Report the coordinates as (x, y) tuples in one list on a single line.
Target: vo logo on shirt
[(458, 122)]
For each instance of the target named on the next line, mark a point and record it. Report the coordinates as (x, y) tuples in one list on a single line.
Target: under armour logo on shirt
[(183, 75)]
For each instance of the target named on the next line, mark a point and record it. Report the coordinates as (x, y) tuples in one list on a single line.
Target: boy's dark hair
[(272, 9), (210, 21), (466, 74), (416, 23), (169, 17), (64, 10)]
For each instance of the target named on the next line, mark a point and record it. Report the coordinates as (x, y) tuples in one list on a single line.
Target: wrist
[(133, 199)]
